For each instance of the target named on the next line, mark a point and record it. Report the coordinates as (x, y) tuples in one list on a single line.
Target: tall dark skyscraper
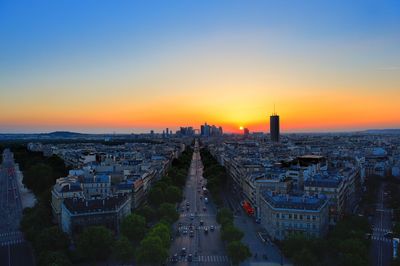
[(274, 127)]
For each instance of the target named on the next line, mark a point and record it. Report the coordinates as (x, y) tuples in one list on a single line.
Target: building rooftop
[(318, 180), (295, 202), (76, 206)]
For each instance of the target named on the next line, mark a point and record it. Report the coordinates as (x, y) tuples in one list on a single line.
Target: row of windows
[(295, 216), (97, 190), (297, 225)]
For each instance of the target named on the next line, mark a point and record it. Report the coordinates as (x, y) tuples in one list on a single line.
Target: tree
[(123, 250), (133, 227), (151, 251), (230, 233), (168, 212), (173, 194), (238, 252), (224, 216), (147, 212), (95, 243), (305, 258), (163, 231), (38, 177), (54, 258), (396, 229), (51, 239), (155, 196), (353, 260), (353, 246), (34, 220), (290, 246)]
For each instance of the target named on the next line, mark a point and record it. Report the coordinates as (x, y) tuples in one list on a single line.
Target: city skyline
[(99, 67)]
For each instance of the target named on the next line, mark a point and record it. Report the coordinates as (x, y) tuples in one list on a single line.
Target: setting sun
[(241, 127)]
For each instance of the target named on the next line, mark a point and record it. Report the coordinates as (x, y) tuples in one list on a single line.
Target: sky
[(131, 66)]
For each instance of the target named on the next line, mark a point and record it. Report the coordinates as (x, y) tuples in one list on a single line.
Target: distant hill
[(64, 134), (383, 131)]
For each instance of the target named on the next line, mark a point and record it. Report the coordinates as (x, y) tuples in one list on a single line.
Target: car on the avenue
[(183, 252), (175, 258)]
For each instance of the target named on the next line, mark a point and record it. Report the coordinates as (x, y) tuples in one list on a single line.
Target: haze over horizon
[(103, 67)]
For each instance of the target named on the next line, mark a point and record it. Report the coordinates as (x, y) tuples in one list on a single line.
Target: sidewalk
[(27, 197), (256, 245)]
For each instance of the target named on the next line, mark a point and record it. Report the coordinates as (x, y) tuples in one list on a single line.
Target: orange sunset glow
[(227, 74)]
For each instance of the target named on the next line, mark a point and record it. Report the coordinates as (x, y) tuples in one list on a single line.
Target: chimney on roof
[(87, 203)]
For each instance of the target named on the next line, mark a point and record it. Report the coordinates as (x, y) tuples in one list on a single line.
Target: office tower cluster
[(210, 130), (186, 131)]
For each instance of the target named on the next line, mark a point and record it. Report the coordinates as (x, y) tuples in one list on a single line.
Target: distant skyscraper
[(246, 131), (210, 130), (274, 127)]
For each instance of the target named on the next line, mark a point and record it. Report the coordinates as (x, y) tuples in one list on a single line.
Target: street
[(197, 230), (13, 248), (381, 248)]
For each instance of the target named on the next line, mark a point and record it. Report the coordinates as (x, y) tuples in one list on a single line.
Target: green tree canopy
[(238, 252), (151, 251), (123, 250), (230, 233), (168, 212), (38, 177), (95, 243), (173, 194), (156, 196), (34, 220), (51, 239), (224, 216), (133, 227), (53, 258), (147, 212), (163, 231), (304, 257)]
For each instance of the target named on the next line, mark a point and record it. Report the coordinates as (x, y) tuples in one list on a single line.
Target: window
[(314, 217), (295, 216), (290, 216)]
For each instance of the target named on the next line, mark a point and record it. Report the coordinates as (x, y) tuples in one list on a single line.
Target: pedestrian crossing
[(11, 238), (209, 259), (197, 215), (212, 259), (381, 230), (382, 239), (201, 227)]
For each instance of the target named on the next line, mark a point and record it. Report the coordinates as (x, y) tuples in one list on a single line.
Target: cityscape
[(218, 133)]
